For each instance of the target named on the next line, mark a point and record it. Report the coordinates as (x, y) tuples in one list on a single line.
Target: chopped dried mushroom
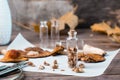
[(72, 57), (62, 70), (41, 67), (81, 66), (58, 50), (46, 63), (78, 70), (31, 64), (55, 62), (55, 66)]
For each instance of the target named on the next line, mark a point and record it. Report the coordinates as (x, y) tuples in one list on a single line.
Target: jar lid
[(72, 33)]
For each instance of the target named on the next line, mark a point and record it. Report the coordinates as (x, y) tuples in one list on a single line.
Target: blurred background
[(89, 11)]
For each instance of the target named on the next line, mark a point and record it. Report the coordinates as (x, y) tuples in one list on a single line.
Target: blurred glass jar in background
[(43, 34), (55, 37)]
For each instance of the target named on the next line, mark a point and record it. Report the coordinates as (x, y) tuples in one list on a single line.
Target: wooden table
[(96, 39)]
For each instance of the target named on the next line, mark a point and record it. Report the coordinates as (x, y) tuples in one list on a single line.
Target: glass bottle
[(43, 34), (5, 22), (72, 48), (54, 33)]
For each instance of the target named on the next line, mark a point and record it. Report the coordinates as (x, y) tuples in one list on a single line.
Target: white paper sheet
[(91, 69)]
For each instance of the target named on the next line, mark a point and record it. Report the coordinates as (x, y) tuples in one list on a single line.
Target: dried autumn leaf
[(100, 27), (115, 38), (114, 31), (69, 18)]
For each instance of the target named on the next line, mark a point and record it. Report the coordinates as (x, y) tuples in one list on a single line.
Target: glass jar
[(72, 48), (55, 37), (43, 34)]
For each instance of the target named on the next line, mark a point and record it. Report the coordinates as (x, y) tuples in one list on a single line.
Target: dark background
[(93, 11)]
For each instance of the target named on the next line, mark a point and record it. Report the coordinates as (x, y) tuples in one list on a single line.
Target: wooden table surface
[(95, 39)]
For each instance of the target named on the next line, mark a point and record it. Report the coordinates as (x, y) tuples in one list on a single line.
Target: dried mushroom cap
[(13, 56), (58, 50), (39, 54), (92, 58)]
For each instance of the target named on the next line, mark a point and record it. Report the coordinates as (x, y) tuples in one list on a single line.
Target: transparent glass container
[(72, 48), (43, 34), (55, 37)]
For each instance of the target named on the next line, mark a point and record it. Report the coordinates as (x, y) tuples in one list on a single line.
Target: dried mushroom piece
[(81, 66), (13, 56), (92, 58), (72, 57), (46, 63), (58, 50), (40, 55), (41, 67), (31, 64), (78, 70), (36, 52), (55, 66), (33, 49), (55, 62)]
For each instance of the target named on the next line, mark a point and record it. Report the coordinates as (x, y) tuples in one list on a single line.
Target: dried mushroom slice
[(58, 50), (92, 58), (40, 55), (33, 49), (13, 56)]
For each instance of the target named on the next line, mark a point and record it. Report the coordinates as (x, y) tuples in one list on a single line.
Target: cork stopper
[(72, 33)]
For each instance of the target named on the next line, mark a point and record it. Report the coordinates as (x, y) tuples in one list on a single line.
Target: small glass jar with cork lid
[(72, 48)]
